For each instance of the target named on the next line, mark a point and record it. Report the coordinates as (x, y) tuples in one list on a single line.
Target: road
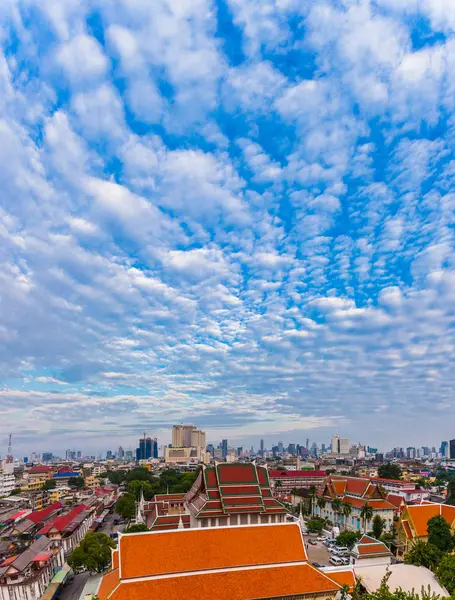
[(73, 589), (108, 526), (318, 553)]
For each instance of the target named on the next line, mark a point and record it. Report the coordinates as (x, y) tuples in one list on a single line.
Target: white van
[(335, 560)]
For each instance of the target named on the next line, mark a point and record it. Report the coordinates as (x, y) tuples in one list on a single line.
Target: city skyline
[(237, 213)]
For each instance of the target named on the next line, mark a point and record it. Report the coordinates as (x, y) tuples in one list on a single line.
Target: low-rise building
[(27, 575), (285, 480), (354, 492), (369, 551), (69, 528)]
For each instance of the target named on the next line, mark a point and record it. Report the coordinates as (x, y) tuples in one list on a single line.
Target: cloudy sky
[(237, 213)]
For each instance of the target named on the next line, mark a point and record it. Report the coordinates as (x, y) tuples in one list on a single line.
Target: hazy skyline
[(236, 213)]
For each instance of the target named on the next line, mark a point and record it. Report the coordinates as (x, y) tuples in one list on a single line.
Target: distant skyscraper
[(291, 449), (129, 455), (280, 447), (148, 448), (444, 449), (262, 447), (120, 453), (47, 456), (79, 454), (307, 443), (108, 454), (211, 449), (340, 445), (322, 448), (452, 449), (224, 449)]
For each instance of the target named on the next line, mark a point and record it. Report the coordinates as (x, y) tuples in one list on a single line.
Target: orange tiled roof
[(158, 553), (373, 549), (396, 500), (108, 584), (375, 504), (447, 511), (231, 585), (115, 559), (343, 578), (420, 515)]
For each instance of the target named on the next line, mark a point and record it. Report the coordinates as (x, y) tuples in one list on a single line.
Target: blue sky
[(237, 213)]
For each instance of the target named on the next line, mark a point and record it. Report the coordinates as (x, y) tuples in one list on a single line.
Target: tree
[(321, 502), (316, 524), (389, 471), (126, 506), (423, 554), (440, 534), (138, 474), (348, 538), (366, 514), (336, 506), (385, 593), (312, 498), (135, 488), (451, 492), (347, 511), (49, 484), (378, 526), (76, 482), (137, 528), (446, 573), (116, 477), (16, 492), (93, 553)]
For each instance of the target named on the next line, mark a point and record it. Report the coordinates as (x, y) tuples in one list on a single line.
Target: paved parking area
[(318, 553)]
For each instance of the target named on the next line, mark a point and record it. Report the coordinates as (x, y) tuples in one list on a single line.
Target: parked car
[(312, 542), (322, 538), (336, 560), (317, 565), (346, 560), (329, 542), (342, 549)]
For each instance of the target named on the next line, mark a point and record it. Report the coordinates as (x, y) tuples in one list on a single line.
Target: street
[(73, 589), (108, 526)]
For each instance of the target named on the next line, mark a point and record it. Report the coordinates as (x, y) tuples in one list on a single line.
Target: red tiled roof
[(277, 474), (40, 469), (396, 500), (236, 473), (61, 522), (271, 582), (145, 554), (39, 516), (18, 515), (373, 549), (42, 557), (9, 560)]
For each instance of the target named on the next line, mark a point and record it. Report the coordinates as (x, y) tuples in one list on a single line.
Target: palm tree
[(347, 510), (366, 514), (321, 503), (311, 497), (336, 506)]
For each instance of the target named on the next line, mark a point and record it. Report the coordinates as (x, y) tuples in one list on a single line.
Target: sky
[(233, 213)]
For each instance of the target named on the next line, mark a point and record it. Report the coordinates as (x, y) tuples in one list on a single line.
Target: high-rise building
[(129, 455), (452, 449), (178, 437), (79, 454), (211, 449), (410, 452), (307, 443), (148, 448), (340, 445), (108, 454), (262, 447), (444, 449), (120, 453), (322, 448), (280, 447), (224, 449), (291, 449)]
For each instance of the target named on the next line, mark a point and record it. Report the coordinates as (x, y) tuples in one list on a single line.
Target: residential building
[(30, 522), (340, 445), (63, 475), (7, 483), (68, 529), (354, 492), (221, 563), (181, 456), (27, 575), (284, 481), (228, 494), (189, 436), (414, 519)]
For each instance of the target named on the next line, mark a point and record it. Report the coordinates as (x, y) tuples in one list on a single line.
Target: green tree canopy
[(137, 528), (378, 526), (138, 474), (451, 491), (390, 471), (348, 538), (423, 554), (49, 484), (316, 524), (440, 534), (76, 482), (116, 477), (135, 488), (446, 573), (93, 553), (126, 505)]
